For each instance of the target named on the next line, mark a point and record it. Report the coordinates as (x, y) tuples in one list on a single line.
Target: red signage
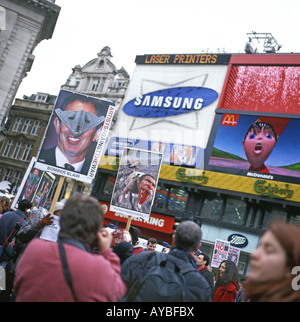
[(230, 119), (155, 222)]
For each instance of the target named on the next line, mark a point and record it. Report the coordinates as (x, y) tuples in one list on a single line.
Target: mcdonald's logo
[(230, 119)]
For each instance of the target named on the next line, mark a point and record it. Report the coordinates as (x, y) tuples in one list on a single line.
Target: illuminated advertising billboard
[(172, 99), (256, 131), (265, 88), (184, 155), (256, 145)]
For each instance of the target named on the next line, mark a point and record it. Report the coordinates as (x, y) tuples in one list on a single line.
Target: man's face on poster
[(146, 189), (259, 144), (75, 148), (31, 183)]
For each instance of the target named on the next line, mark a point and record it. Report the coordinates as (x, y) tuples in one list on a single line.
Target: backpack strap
[(132, 292), (7, 239), (185, 268), (66, 270)]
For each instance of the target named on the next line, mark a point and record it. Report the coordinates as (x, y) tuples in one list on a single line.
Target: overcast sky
[(138, 27)]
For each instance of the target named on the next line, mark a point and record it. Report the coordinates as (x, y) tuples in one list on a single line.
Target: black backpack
[(164, 282)]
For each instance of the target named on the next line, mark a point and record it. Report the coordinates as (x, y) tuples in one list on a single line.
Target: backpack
[(7, 246), (163, 282)]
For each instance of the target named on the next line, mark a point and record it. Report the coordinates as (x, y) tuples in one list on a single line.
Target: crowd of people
[(84, 264)]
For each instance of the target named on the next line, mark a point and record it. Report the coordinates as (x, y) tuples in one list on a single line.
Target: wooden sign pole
[(57, 193), (128, 223)]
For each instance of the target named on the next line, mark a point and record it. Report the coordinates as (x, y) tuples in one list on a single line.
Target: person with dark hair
[(274, 265), (5, 204), (227, 283), (202, 263), (151, 244), (8, 223), (187, 238), (40, 273), (135, 234), (124, 250)]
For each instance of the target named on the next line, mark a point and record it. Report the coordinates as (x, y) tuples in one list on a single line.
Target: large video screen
[(259, 146)]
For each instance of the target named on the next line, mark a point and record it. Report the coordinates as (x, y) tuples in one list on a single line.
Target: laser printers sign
[(171, 101)]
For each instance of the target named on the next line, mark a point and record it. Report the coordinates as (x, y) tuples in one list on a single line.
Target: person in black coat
[(186, 239), (202, 263)]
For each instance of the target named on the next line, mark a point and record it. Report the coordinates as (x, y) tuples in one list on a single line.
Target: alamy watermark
[(296, 280)]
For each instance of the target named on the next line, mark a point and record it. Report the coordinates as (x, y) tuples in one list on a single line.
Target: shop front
[(229, 207)]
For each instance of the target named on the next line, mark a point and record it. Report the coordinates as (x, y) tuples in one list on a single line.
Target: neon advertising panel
[(256, 145), (274, 89), (256, 131)]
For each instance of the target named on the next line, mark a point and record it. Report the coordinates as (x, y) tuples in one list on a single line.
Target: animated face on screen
[(259, 142)]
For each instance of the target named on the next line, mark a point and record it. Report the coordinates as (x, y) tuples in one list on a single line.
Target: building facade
[(100, 78), (23, 25), (25, 129)]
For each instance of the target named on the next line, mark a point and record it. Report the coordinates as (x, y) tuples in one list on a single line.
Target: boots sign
[(238, 240)]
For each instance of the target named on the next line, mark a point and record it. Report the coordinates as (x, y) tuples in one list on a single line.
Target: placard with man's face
[(75, 136)]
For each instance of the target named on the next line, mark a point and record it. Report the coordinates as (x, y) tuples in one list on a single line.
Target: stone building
[(25, 129), (23, 25), (100, 78)]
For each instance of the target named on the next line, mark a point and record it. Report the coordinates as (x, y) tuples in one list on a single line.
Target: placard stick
[(128, 223), (57, 193)]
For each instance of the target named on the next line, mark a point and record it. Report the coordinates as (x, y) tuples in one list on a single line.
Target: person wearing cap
[(58, 208), (77, 126)]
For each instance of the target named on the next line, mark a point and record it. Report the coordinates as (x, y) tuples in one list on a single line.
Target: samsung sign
[(171, 101)]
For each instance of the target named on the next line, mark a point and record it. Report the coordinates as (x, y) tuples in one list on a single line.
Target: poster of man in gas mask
[(76, 136)]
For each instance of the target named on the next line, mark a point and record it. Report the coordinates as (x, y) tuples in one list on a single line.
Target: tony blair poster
[(75, 136)]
